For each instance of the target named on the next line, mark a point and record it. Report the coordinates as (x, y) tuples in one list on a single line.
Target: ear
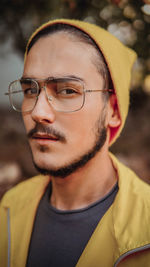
[(114, 120), (113, 117)]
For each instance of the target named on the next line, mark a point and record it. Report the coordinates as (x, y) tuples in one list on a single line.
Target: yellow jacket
[(122, 238)]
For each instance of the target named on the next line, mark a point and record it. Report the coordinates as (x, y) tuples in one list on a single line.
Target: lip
[(44, 138)]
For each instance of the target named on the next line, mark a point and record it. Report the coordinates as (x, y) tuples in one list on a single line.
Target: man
[(86, 208)]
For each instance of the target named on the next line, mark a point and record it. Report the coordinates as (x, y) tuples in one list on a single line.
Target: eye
[(29, 88), (67, 91), (63, 88), (30, 91)]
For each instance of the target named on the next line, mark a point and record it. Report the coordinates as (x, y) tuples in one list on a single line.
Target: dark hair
[(82, 37)]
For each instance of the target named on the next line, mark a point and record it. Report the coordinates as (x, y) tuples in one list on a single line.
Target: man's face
[(63, 138)]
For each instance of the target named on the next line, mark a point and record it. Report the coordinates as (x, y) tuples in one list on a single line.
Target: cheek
[(28, 122), (79, 135), (80, 127)]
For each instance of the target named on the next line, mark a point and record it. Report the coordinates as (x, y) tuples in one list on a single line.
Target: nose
[(43, 111)]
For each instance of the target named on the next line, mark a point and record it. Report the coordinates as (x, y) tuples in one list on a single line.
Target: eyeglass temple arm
[(9, 93), (100, 90)]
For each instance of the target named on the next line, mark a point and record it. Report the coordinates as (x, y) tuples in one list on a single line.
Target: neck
[(87, 185)]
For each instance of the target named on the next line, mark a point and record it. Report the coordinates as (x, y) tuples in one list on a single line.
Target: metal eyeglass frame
[(49, 98)]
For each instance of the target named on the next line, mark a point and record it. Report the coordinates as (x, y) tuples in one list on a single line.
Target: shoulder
[(130, 210), (25, 189), (129, 181)]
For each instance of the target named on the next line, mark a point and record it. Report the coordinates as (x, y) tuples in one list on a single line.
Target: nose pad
[(49, 98)]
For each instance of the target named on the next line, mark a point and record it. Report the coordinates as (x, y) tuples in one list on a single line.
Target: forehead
[(58, 53)]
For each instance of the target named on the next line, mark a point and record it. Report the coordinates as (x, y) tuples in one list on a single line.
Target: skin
[(58, 56)]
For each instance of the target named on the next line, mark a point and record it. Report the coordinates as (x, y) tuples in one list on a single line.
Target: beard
[(64, 171)]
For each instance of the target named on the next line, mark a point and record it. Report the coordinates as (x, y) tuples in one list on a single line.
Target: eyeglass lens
[(63, 94)]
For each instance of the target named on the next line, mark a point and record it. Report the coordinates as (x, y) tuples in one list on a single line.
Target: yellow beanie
[(118, 57)]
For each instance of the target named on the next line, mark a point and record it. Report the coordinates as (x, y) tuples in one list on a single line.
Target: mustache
[(41, 128)]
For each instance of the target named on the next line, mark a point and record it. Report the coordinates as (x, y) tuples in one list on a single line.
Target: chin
[(45, 163)]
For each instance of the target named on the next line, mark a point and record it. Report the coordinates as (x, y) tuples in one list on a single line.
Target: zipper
[(128, 253), (9, 238)]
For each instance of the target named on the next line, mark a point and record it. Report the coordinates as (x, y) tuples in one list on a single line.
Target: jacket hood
[(119, 60)]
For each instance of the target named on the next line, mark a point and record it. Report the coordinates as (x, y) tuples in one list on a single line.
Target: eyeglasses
[(64, 94)]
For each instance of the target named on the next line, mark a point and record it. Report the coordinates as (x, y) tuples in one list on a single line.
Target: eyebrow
[(55, 77)]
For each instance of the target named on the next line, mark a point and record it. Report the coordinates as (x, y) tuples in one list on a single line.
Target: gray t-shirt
[(59, 237)]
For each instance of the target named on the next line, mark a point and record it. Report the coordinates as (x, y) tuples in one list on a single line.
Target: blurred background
[(129, 21)]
